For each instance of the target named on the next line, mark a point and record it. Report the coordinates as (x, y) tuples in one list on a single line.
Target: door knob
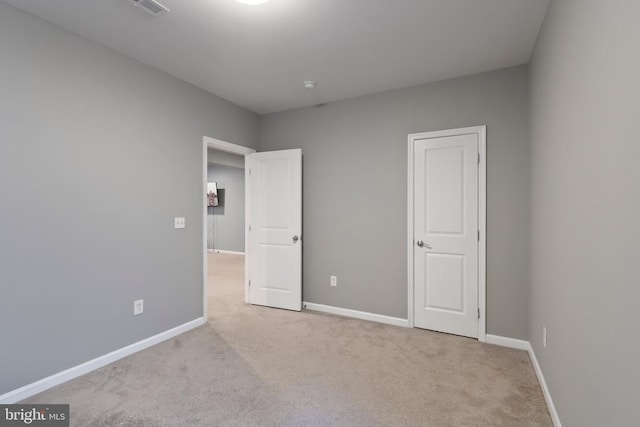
[(423, 244), (295, 239)]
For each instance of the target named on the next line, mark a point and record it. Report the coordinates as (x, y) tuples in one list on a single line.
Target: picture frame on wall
[(212, 194)]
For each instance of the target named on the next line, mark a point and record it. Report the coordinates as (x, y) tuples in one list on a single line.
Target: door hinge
[(478, 313), (249, 227), (478, 158), (478, 235), (249, 172), (249, 283)]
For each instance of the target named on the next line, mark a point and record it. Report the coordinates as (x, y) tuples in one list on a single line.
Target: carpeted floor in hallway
[(260, 366)]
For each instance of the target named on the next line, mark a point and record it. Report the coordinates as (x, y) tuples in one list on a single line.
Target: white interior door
[(275, 220), (445, 244)]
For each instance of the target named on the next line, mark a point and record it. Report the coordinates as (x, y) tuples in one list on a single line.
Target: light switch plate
[(138, 307), (179, 222)]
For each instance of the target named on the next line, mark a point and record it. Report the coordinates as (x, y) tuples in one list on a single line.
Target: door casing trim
[(219, 145), (481, 131)]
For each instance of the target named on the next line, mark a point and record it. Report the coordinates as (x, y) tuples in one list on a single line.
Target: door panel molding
[(480, 131)]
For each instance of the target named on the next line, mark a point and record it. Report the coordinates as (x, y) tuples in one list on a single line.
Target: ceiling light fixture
[(309, 84), (252, 2)]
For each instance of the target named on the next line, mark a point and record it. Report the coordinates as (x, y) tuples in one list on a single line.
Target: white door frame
[(481, 131), (228, 147)]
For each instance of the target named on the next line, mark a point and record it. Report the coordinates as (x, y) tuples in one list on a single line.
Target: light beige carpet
[(260, 366)]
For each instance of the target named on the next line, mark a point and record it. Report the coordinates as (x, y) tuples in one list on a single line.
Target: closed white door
[(445, 244), (275, 222)]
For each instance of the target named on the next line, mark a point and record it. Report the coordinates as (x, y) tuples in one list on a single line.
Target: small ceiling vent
[(152, 7)]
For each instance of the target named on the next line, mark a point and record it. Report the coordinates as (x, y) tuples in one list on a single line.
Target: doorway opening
[(225, 240)]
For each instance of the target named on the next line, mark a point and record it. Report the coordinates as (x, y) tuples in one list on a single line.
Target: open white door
[(275, 227)]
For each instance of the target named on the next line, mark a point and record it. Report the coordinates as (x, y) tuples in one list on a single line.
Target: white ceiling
[(258, 56)]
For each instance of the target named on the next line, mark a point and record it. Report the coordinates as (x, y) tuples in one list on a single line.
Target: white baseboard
[(46, 383), (545, 390), (526, 346), (396, 321), (508, 342), (210, 250), (222, 251)]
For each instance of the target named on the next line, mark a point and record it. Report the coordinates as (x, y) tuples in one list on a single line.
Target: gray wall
[(585, 209), (98, 153), (224, 158), (225, 224), (355, 184)]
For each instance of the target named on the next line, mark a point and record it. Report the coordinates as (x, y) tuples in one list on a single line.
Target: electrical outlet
[(138, 307), (179, 222), (333, 280), (544, 336)]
